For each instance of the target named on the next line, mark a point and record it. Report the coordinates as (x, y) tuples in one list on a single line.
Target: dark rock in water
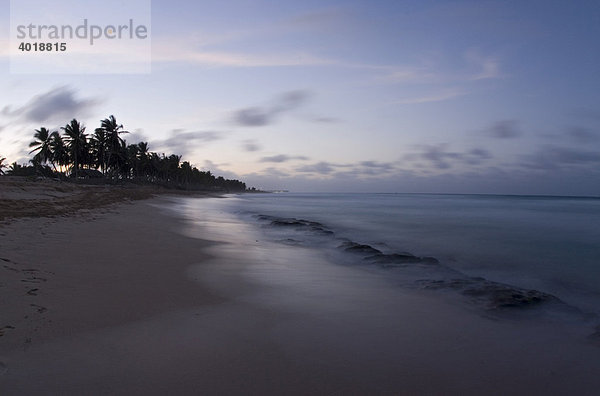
[(321, 230), (299, 224), (290, 241), (354, 247), (492, 294), (264, 217), (395, 257), (400, 259), (376, 256), (287, 223), (278, 221)]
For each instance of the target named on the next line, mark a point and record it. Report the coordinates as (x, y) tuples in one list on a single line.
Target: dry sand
[(117, 300), (80, 258), (23, 197)]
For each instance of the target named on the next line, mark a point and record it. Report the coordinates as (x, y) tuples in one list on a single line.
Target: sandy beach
[(300, 198), (130, 299)]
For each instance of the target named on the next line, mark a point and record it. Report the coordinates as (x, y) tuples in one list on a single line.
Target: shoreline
[(136, 299)]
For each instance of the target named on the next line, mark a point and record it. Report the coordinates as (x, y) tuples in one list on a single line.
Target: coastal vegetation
[(2, 165), (105, 155)]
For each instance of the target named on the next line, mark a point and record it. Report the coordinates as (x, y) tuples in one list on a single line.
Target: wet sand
[(131, 299)]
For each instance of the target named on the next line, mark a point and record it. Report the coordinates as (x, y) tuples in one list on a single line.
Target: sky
[(491, 97)]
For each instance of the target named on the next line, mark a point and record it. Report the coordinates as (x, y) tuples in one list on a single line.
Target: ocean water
[(406, 293), (548, 244)]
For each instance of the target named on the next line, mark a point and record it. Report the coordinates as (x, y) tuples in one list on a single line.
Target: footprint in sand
[(39, 308), (5, 328), (33, 292), (3, 368), (34, 279)]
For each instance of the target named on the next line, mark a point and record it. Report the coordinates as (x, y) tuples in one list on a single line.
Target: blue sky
[(391, 96)]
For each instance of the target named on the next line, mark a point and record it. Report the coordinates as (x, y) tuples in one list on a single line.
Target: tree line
[(105, 154)]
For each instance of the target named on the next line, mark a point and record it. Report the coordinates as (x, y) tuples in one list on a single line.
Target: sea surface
[(408, 293), (547, 244)]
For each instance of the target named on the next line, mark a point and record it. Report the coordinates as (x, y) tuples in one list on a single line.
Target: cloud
[(60, 103), (253, 116), (440, 158), (483, 181), (213, 48), (250, 146), (571, 172), (136, 137), (274, 172), (291, 100), (168, 51), (261, 116), (409, 74), (276, 158), (216, 170), (377, 166), (182, 143), (487, 67), (326, 120), (476, 156), (437, 156), (325, 169), (551, 157), (473, 66), (322, 168), (435, 97), (282, 158), (582, 135), (367, 169), (7, 111), (506, 129)]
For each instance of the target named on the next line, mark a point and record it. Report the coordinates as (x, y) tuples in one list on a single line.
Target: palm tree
[(172, 165), (143, 159), (131, 167), (42, 145), (115, 145), (2, 165), (99, 147), (87, 156), (187, 172), (76, 141), (60, 154), (154, 166), (108, 151)]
